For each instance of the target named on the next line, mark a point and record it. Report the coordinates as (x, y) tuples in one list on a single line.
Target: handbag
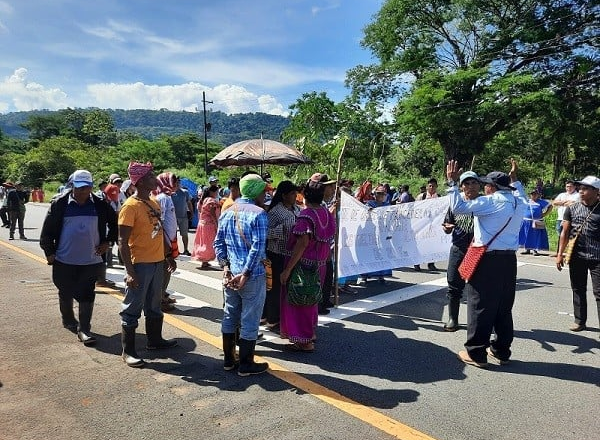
[(474, 254), (174, 248), (569, 249), (304, 286), (471, 260), (538, 224)]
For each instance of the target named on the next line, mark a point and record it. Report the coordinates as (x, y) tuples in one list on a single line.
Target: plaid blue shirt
[(244, 251)]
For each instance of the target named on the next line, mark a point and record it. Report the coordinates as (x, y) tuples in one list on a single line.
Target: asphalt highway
[(383, 366)]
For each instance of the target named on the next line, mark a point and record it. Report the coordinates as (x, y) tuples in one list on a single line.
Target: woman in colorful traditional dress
[(309, 244), (210, 210)]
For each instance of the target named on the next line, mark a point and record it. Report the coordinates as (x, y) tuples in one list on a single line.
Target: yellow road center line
[(363, 413)]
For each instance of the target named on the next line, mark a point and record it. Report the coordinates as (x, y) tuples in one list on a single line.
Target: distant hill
[(225, 129)]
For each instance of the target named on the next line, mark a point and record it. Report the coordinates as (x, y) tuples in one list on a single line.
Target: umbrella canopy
[(258, 152)]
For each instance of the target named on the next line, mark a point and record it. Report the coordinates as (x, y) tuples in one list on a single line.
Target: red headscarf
[(138, 170), (167, 183), (364, 191)]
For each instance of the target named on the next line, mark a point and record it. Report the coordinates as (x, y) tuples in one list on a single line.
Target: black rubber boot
[(247, 365), (452, 324), (66, 312), (85, 319), (230, 362), (154, 334), (129, 355)]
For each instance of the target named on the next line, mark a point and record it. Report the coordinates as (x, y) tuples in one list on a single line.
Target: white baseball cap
[(82, 178), (592, 181)]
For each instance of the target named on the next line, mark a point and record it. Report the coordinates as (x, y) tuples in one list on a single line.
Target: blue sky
[(247, 56)]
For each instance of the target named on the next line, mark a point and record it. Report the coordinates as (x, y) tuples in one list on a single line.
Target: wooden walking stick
[(343, 140)]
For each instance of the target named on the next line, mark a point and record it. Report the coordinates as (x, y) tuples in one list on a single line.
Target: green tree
[(316, 120), (99, 128), (45, 126), (461, 72)]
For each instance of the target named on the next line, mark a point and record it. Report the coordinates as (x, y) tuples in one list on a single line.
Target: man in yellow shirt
[(143, 250)]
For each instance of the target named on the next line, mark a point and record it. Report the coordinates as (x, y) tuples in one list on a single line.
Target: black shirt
[(587, 246)]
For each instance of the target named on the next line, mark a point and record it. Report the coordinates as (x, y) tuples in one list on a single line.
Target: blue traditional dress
[(530, 237)]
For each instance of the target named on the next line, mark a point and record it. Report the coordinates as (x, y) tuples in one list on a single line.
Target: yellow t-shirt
[(227, 203), (146, 240)]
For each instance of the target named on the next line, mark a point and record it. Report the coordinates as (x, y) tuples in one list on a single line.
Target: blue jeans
[(243, 308), (559, 226), (146, 296)]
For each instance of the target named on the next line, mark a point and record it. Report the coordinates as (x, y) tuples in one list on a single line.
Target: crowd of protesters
[(258, 232)]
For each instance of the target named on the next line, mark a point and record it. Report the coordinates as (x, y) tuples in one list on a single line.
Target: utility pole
[(206, 130)]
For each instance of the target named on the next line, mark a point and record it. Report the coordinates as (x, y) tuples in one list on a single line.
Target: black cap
[(498, 179)]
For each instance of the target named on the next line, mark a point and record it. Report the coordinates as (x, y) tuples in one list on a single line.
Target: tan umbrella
[(258, 152)]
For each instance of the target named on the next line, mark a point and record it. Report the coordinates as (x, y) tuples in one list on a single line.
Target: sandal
[(307, 348)]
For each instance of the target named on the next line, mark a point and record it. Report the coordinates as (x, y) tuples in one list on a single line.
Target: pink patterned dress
[(298, 323), (206, 231)]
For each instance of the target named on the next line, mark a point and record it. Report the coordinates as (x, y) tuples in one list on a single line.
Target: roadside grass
[(550, 220)]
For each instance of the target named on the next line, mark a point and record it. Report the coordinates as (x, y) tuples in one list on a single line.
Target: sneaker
[(186, 253), (431, 266), (12, 237), (491, 354), (464, 356), (536, 253), (22, 237), (417, 268), (578, 327)]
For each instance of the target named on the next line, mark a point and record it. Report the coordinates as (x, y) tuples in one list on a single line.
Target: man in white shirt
[(567, 198)]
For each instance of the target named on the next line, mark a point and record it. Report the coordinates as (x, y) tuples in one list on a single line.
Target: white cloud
[(328, 6), (5, 9), (17, 94), (226, 98)]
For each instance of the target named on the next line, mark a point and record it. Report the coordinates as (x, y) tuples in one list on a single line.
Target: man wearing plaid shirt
[(240, 246)]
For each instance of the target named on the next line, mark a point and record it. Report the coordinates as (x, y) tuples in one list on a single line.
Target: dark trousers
[(15, 217), (75, 282), (4, 216), (327, 288), (455, 283), (578, 270), (490, 298), (271, 310)]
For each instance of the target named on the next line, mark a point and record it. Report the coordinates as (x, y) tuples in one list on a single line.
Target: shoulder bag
[(304, 284), (473, 256), (572, 241)]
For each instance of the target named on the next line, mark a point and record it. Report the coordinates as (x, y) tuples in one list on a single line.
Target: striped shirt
[(241, 239), (587, 246), (281, 222)]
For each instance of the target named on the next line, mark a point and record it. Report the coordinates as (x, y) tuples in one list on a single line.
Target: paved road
[(383, 367)]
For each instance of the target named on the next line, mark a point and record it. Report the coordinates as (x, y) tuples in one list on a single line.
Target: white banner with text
[(389, 237)]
